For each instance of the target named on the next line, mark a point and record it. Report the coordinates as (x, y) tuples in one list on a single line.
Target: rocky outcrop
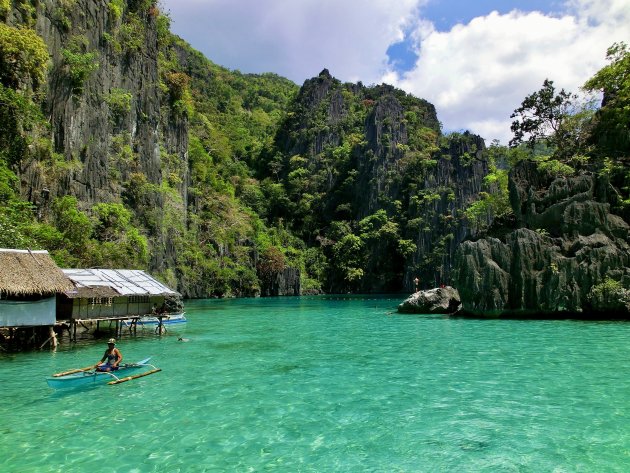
[(282, 283), (377, 149), (111, 125), (453, 184), (441, 300), (106, 100), (570, 256)]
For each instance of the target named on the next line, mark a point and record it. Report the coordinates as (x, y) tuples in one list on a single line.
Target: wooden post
[(53, 338)]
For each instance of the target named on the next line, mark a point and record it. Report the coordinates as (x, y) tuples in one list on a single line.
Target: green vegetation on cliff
[(564, 251), (576, 134), (126, 147)]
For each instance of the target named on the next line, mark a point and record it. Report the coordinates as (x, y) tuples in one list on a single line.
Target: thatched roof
[(27, 273)]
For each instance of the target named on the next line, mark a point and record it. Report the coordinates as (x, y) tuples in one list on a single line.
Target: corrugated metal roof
[(126, 282)]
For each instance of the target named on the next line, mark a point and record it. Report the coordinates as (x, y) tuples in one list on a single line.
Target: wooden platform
[(119, 326)]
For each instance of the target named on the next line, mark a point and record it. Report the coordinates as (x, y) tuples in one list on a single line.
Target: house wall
[(99, 308), (15, 313)]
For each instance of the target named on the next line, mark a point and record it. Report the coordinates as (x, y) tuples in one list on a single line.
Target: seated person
[(111, 358)]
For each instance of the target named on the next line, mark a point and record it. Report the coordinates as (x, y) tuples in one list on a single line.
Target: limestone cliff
[(375, 158), (569, 256), (168, 162), (110, 123)]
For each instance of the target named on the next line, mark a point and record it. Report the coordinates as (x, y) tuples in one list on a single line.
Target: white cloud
[(477, 74), (295, 38)]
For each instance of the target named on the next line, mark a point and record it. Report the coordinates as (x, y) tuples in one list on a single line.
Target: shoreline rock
[(440, 300)]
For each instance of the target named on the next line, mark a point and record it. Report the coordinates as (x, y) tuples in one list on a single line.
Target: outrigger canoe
[(88, 376)]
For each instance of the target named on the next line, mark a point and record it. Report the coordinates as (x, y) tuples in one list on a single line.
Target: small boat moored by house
[(89, 376), (153, 321)]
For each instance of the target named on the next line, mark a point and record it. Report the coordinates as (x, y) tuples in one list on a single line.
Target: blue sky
[(447, 13), (475, 60)]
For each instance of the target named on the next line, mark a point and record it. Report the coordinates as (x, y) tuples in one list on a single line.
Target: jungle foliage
[(275, 177), (566, 133)]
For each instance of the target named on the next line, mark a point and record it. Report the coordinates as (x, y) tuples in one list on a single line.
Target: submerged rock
[(441, 300)]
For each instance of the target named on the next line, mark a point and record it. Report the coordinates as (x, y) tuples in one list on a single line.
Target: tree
[(348, 253), (612, 129), (110, 221), (272, 262), (541, 115)]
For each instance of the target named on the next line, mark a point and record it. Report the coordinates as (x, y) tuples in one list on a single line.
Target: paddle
[(129, 378), (78, 370)]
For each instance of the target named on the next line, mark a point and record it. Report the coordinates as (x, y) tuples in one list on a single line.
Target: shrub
[(179, 92), (79, 65), (23, 57), (5, 6), (116, 8), (132, 34), (119, 102), (271, 262)]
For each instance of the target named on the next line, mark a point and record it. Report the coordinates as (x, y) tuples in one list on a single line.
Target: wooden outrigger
[(129, 378)]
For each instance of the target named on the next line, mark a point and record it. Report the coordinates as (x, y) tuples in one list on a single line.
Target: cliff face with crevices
[(376, 159), (110, 124), (563, 258), (82, 122)]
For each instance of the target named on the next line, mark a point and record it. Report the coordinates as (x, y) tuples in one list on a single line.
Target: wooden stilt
[(53, 338)]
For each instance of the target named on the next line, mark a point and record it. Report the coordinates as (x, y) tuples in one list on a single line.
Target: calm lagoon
[(331, 384)]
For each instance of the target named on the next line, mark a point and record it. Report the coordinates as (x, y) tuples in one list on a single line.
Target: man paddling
[(111, 358)]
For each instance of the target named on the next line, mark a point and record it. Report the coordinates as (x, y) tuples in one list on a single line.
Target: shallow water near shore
[(330, 384)]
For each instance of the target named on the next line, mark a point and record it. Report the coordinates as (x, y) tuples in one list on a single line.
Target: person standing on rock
[(416, 282)]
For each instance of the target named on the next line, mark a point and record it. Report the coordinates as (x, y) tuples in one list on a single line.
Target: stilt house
[(111, 294), (29, 282)]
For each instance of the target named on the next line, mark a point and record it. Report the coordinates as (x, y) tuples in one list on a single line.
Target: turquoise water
[(331, 385)]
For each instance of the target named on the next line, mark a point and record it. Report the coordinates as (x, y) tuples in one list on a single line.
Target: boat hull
[(87, 378), (150, 321)]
